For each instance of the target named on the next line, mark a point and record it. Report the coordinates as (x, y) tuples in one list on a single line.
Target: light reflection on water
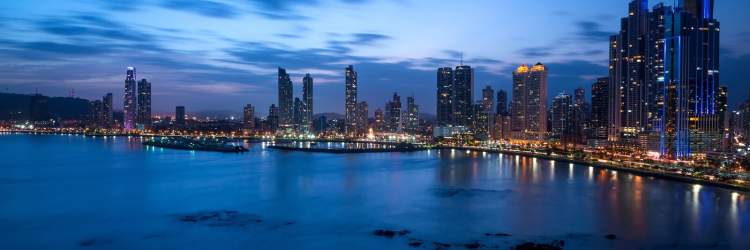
[(442, 195)]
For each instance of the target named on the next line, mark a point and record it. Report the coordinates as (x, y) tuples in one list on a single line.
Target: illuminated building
[(529, 105), (463, 95), (350, 108), (107, 118), (273, 118), (380, 124), (411, 122), (129, 100), (483, 116), (307, 98), (285, 100), (393, 114), (144, 105), (248, 118), (445, 96), (561, 118), (599, 110), (363, 121)]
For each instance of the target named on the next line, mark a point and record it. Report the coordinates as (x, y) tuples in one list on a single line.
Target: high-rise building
[(445, 97), (529, 106), (107, 118), (144, 105), (363, 120), (129, 100), (561, 118), (179, 116), (484, 121), (350, 108), (248, 119), (412, 115), (96, 110), (286, 100), (502, 102), (393, 114), (463, 99), (724, 115), (580, 117), (599, 110), (380, 123), (273, 118), (298, 116), (307, 98)]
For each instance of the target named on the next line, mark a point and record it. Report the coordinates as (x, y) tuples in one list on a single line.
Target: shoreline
[(601, 165), (346, 150)]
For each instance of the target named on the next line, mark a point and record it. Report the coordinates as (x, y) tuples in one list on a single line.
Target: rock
[(403, 232), (94, 242), (473, 245), (497, 234), (440, 245), (555, 245), (610, 236), (415, 243), (220, 218), (390, 233)]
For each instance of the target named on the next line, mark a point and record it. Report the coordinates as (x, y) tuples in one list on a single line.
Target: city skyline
[(245, 81)]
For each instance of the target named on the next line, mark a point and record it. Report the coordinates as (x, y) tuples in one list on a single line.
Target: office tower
[(307, 98), (363, 121), (502, 102), (724, 116), (179, 116), (412, 115), (561, 118), (96, 111), (463, 99), (445, 97), (273, 118), (144, 105), (129, 100), (350, 108), (286, 100), (299, 116), (690, 127), (529, 106), (580, 117), (248, 119), (107, 119), (502, 127), (484, 119), (393, 115), (380, 123), (321, 124), (599, 109)]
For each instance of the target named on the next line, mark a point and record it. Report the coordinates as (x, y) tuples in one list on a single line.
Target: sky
[(222, 55)]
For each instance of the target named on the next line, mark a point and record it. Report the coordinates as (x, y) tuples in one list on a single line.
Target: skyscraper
[(273, 118), (502, 102), (561, 118), (412, 115), (599, 109), (380, 124), (307, 98), (179, 115), (363, 120), (107, 119), (298, 116), (144, 105), (484, 121), (393, 114), (529, 107), (286, 100), (445, 96), (463, 99), (248, 119), (350, 108), (129, 100)]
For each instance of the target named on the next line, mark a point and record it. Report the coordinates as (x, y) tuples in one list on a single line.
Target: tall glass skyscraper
[(307, 98), (286, 100), (350, 108), (144, 104), (129, 100), (463, 96), (445, 96)]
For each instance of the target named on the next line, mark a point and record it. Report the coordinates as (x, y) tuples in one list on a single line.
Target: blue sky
[(221, 55)]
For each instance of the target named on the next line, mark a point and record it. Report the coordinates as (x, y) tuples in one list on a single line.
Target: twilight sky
[(221, 55)]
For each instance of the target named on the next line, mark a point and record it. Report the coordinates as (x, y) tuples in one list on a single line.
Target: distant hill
[(17, 106)]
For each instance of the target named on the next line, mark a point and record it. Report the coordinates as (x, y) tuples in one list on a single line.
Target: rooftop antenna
[(461, 60)]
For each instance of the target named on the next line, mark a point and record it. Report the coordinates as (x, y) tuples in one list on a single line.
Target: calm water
[(73, 192)]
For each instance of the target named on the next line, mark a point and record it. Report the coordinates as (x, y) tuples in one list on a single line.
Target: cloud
[(536, 52), (202, 7), (592, 32)]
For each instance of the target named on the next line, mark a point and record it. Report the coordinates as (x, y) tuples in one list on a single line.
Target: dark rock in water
[(94, 242), (610, 236), (473, 245), (440, 245), (554, 245), (221, 218), (390, 233), (497, 234), (415, 243)]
